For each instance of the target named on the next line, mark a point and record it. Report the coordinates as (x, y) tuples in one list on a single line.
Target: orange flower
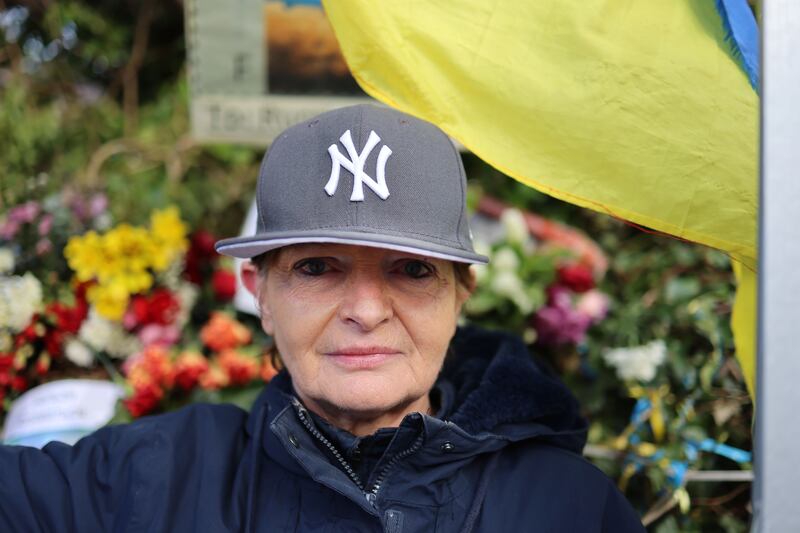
[(268, 371), (214, 379), (240, 368), (189, 369), (153, 365), (222, 332)]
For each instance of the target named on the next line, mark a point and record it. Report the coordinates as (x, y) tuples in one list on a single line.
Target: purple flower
[(557, 325), (559, 322)]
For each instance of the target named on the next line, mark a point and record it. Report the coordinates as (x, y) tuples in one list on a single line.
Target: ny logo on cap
[(356, 167)]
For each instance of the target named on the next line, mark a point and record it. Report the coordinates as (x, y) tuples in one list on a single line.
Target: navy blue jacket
[(505, 458)]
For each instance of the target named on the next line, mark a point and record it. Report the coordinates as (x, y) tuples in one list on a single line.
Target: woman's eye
[(312, 267), (417, 269)]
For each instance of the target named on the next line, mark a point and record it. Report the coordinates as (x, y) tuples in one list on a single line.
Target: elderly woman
[(386, 418)]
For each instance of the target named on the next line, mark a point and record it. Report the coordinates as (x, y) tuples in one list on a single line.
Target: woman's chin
[(367, 392)]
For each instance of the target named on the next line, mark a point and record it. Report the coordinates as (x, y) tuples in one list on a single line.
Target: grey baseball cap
[(363, 175)]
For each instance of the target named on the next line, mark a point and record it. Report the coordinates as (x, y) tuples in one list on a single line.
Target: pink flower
[(593, 304), (24, 213), (43, 246), (156, 334), (9, 229), (45, 225), (98, 205)]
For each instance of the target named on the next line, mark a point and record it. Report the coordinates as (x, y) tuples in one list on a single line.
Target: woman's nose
[(366, 302)]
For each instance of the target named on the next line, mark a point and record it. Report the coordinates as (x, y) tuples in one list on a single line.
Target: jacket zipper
[(303, 415), (372, 494)]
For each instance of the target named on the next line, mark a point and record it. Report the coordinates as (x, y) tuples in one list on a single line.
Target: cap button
[(448, 447)]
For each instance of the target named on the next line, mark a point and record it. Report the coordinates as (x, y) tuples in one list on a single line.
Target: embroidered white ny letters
[(356, 167)]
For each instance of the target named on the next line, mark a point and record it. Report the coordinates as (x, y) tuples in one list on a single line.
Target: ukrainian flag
[(641, 109)]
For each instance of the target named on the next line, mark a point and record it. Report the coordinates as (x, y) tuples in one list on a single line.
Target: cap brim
[(247, 247)]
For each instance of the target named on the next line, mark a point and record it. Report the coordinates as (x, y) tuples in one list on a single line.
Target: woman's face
[(361, 330)]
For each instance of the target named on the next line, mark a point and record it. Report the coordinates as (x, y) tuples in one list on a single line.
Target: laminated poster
[(64, 410)]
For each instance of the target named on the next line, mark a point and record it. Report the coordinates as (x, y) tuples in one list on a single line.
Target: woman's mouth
[(362, 357)]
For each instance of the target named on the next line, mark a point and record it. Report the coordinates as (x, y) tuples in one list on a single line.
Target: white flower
[(638, 363), (481, 273), (172, 277), (515, 225), (481, 247), (96, 331), (103, 335), (505, 260), (20, 298), (6, 260), (507, 284), (187, 296), (78, 353), (102, 222), (122, 344), (6, 341)]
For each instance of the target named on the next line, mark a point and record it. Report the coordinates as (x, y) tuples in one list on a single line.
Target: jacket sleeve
[(94, 485), (618, 515)]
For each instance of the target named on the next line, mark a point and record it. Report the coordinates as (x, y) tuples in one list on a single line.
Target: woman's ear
[(465, 288), (249, 274), (251, 279)]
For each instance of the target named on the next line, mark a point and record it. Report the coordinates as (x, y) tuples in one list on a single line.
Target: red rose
[(19, 383), (146, 397), (32, 331), (158, 308), (68, 319), (577, 277), (224, 284), (200, 257), (163, 307), (139, 308), (54, 342), (202, 243), (42, 365)]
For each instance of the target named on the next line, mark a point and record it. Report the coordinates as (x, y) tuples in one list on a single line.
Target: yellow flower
[(82, 254), (129, 248), (123, 259), (110, 300), (169, 235), (134, 282)]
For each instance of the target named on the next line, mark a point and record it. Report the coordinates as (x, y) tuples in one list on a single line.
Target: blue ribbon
[(741, 32)]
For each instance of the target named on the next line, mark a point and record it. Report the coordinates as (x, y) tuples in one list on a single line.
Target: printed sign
[(259, 66)]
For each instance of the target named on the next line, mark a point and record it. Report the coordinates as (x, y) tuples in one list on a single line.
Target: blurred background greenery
[(93, 98)]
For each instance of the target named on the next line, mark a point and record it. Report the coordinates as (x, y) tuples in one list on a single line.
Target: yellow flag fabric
[(634, 109), (744, 317)]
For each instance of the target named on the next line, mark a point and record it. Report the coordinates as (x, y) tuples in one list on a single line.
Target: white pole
[(776, 504)]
